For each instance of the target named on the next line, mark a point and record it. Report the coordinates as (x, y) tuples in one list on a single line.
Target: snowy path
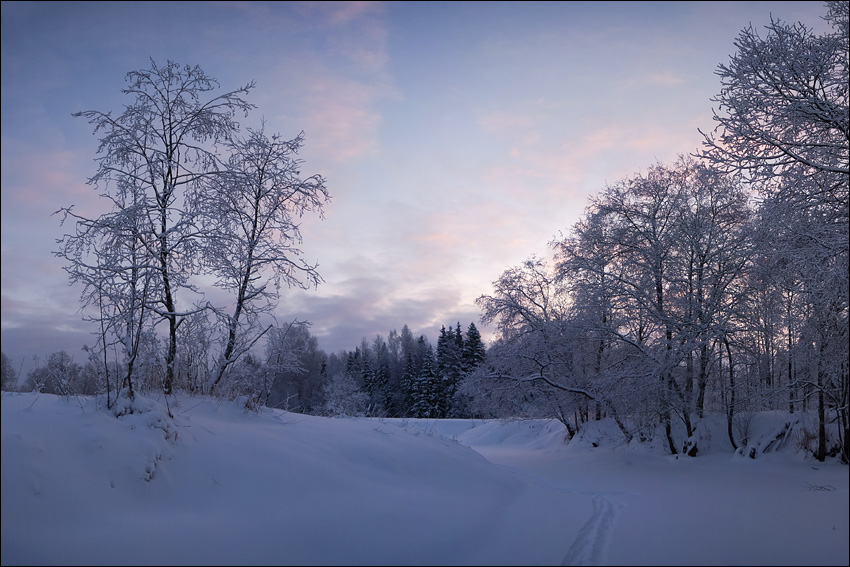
[(525, 454), (591, 543), (624, 522)]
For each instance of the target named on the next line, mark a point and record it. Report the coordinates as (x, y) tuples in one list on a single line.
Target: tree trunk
[(730, 408), (821, 451)]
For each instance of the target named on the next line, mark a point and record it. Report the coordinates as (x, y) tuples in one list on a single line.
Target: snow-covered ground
[(221, 485)]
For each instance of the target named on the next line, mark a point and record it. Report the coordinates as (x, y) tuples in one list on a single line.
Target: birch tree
[(784, 120), (108, 256), (784, 100), (162, 146), (253, 210), (529, 308), (651, 273)]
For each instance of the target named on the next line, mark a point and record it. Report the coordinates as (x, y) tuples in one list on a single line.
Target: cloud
[(38, 181), (365, 298), (338, 13), (327, 78), (665, 78), (340, 119), (503, 123)]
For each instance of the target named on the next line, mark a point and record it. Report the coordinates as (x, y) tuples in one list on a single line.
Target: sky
[(456, 139), (219, 485)]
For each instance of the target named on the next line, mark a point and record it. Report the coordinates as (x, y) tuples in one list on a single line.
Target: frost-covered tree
[(803, 269), (784, 119), (294, 363), (195, 353), (109, 257), (784, 100), (587, 267), (58, 375), (344, 397), (526, 299), (529, 307), (713, 253), (492, 390), (8, 375), (253, 209), (155, 158), (673, 250)]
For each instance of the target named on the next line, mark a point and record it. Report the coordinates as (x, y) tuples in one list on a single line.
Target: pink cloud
[(45, 181), (339, 13), (339, 117), (665, 78), (505, 122), (333, 94)]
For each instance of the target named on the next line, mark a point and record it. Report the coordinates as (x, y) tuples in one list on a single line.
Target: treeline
[(404, 377), (394, 376)]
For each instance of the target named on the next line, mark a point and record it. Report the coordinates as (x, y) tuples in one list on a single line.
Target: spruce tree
[(473, 349), (426, 389), (408, 381)]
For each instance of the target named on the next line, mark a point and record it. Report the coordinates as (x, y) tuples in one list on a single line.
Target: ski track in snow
[(593, 538)]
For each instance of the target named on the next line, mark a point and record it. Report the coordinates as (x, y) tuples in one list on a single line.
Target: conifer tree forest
[(717, 284)]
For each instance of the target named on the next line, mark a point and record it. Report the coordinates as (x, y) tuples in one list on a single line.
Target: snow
[(221, 485)]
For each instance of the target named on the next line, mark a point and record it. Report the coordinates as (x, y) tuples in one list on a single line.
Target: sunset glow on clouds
[(456, 138)]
